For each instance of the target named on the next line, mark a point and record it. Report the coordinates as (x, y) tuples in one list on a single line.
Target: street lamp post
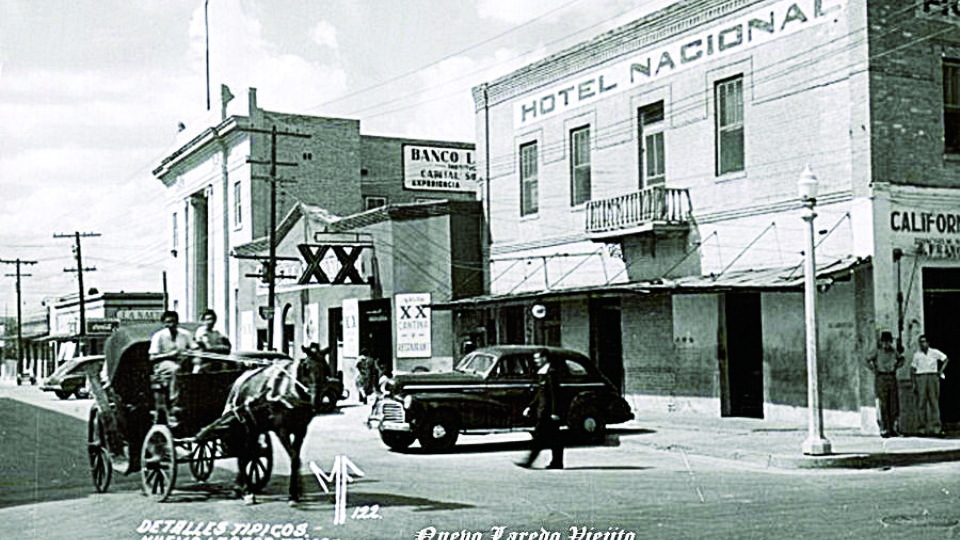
[(816, 444)]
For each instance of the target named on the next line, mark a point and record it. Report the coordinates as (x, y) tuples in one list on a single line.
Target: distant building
[(219, 194), (641, 192), (103, 313)]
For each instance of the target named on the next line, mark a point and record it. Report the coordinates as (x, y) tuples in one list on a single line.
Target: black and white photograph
[(479, 269)]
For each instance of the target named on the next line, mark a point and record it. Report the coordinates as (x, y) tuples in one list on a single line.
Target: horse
[(280, 398)]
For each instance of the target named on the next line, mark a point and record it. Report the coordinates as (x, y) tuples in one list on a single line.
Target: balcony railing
[(641, 210)]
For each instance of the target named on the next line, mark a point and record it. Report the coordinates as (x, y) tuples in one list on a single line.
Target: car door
[(575, 378), (511, 385)]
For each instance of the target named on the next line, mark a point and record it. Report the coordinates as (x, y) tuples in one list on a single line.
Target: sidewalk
[(766, 444)]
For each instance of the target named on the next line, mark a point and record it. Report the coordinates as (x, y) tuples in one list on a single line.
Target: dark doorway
[(376, 334), (199, 251), (606, 339), (941, 296), (335, 336), (741, 355), (289, 332)]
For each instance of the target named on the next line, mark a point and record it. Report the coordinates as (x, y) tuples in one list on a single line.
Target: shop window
[(951, 106), (580, 166), (551, 326), (653, 169), (729, 113), (529, 197)]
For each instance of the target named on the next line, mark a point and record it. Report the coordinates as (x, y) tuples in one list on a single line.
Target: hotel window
[(237, 209), (951, 106), (580, 166), (173, 247), (653, 169), (729, 111), (529, 197)]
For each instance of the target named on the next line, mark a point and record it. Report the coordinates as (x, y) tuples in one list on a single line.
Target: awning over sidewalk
[(774, 279)]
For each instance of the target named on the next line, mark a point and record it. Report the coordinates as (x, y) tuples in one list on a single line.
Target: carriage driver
[(165, 345)]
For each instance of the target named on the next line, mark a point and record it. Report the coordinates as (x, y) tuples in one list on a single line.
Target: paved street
[(46, 490)]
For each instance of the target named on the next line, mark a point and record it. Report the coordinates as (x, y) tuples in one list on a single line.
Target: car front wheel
[(439, 432)]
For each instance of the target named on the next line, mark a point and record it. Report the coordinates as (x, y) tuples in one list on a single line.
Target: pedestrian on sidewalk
[(884, 365), (928, 366), (546, 433)]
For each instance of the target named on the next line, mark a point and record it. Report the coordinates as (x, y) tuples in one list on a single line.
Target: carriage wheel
[(158, 463), (101, 466), (261, 463), (201, 459)]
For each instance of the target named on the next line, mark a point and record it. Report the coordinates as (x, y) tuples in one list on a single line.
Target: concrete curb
[(870, 461)]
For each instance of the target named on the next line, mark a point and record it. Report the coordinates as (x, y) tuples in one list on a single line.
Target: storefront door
[(607, 338), (941, 309), (741, 355)]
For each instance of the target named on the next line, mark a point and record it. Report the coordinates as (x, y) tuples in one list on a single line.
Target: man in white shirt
[(927, 371), (207, 338), (165, 345)]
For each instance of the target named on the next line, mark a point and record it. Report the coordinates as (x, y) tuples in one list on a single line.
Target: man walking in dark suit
[(547, 431)]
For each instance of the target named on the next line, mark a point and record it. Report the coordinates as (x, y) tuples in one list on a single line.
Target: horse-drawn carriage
[(133, 420)]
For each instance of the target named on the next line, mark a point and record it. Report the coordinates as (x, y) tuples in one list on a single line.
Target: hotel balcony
[(650, 211)]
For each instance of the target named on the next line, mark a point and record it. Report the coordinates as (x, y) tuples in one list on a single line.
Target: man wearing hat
[(884, 365)]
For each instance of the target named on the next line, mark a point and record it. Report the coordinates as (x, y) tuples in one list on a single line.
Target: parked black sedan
[(70, 378), (488, 392)]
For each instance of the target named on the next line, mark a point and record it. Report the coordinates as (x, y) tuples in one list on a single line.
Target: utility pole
[(18, 275), (271, 264), (82, 333)]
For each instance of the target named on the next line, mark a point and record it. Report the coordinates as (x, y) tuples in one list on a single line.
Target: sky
[(92, 92)]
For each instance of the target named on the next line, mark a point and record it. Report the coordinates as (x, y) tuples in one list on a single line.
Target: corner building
[(641, 190)]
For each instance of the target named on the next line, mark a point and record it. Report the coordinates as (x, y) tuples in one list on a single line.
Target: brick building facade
[(642, 186)]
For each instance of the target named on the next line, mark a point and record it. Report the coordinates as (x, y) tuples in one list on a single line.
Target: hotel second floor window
[(529, 196), (237, 209), (580, 166), (951, 106), (653, 168), (729, 107)]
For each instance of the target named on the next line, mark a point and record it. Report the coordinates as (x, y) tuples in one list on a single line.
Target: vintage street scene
[(481, 270)]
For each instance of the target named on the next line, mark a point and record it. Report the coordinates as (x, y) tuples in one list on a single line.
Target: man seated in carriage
[(208, 339), (165, 348)]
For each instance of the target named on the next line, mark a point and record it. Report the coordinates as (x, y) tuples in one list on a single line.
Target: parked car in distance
[(70, 378), (488, 392)]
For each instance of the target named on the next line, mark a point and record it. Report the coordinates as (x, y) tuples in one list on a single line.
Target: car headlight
[(407, 402)]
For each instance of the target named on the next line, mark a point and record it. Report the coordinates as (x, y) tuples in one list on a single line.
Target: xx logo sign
[(346, 255)]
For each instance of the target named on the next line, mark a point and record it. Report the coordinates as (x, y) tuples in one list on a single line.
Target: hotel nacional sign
[(662, 60)]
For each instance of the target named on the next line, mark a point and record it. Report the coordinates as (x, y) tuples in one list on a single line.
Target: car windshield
[(476, 362)]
